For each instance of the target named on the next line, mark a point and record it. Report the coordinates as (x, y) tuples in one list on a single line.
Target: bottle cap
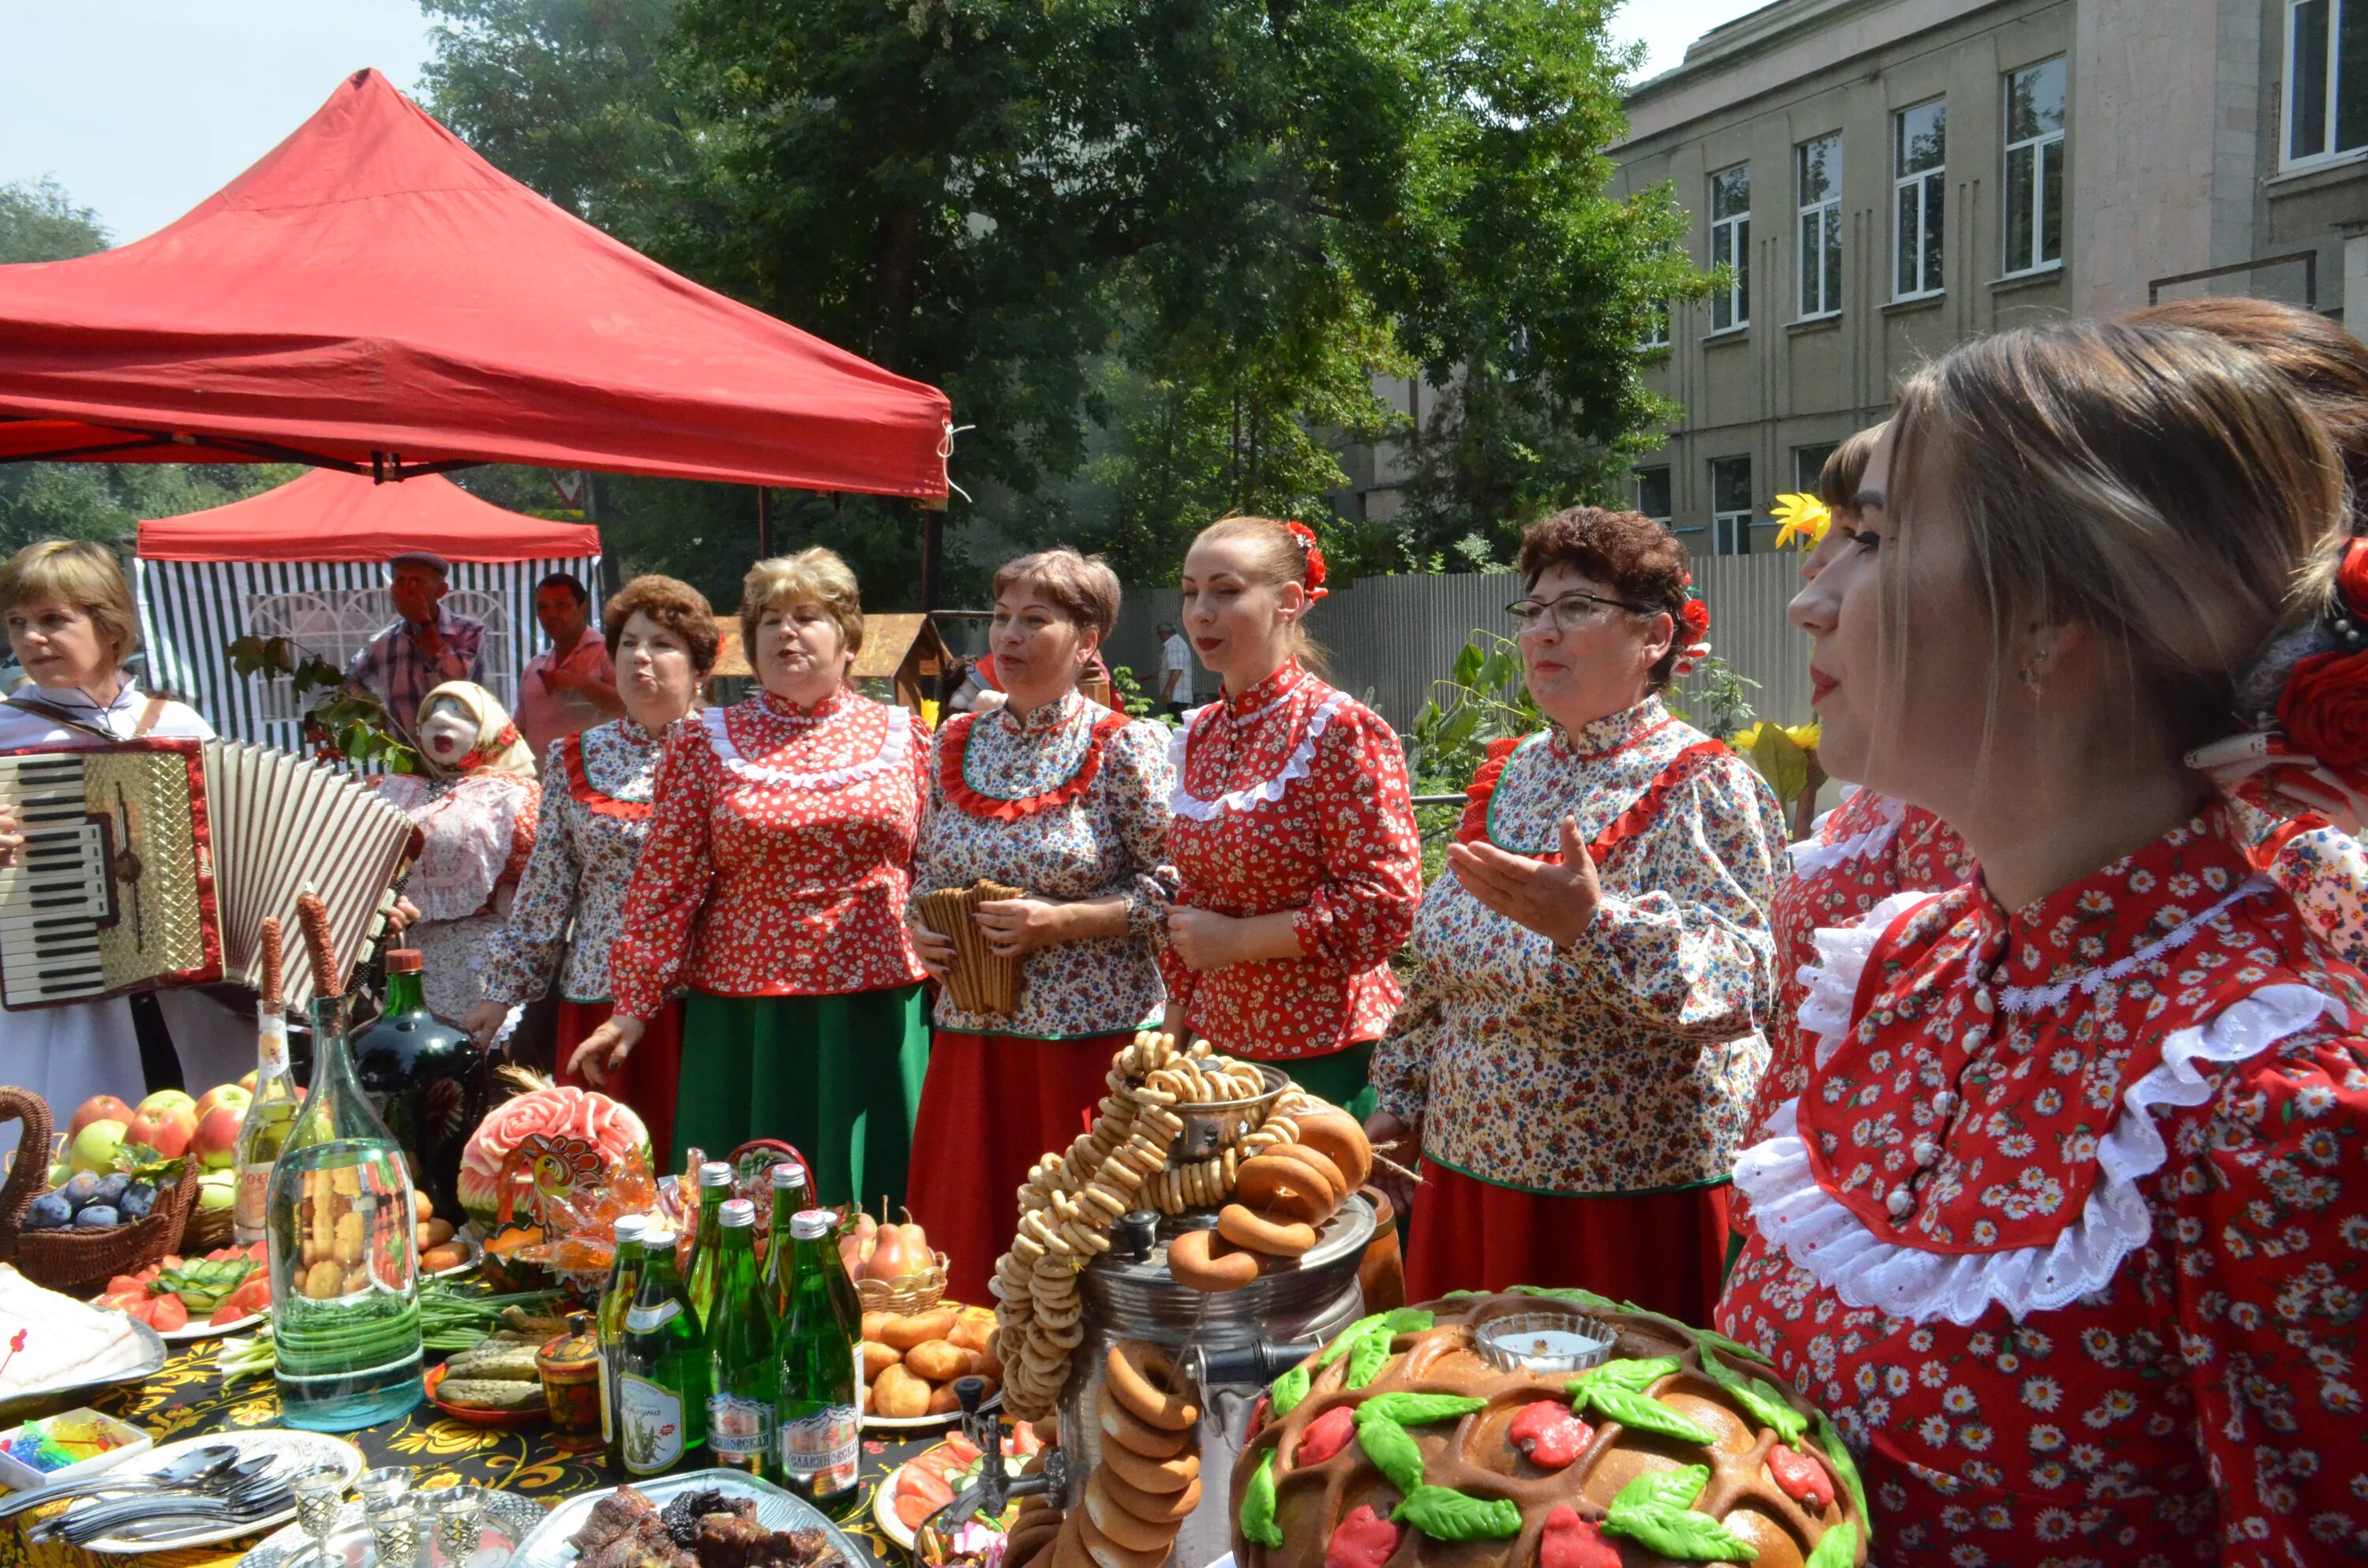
[(629, 1227), (811, 1225), (788, 1174), (715, 1173), (405, 960), (659, 1237), (738, 1213)]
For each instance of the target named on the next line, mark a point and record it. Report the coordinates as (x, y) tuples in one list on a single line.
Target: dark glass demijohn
[(421, 1075)]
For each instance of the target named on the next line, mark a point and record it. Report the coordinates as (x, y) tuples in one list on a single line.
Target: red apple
[(216, 1140), (247, 1083), (98, 1108), (164, 1098), (220, 1094), (168, 1130)]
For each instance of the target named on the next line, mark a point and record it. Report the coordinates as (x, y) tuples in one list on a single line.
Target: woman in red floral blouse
[(773, 886), (2068, 1225), (1293, 830)]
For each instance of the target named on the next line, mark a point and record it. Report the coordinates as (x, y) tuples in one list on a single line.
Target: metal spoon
[(90, 1524), (181, 1470), (234, 1482), (198, 1514)]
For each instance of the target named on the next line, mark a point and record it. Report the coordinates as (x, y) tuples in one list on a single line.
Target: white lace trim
[(894, 751), (1811, 859), (2043, 998), (1842, 953), (1829, 1241), (1186, 804)]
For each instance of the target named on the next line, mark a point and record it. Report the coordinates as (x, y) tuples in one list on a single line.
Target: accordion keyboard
[(56, 895)]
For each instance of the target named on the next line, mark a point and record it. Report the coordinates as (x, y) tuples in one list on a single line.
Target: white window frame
[(1735, 230), (2038, 146), (1657, 334), (2288, 159), (1730, 531), (337, 623), (1932, 192), (1825, 215)]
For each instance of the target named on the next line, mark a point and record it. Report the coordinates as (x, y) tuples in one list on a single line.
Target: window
[(1817, 176), (1730, 506), (1657, 330), (1730, 246), (336, 623), (1919, 156), (1808, 462), (2034, 166), (1653, 494), (2327, 78)]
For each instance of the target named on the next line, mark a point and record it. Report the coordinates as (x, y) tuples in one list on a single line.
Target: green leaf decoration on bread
[(1258, 1504), (1445, 1513), (1636, 1375), (1763, 1399), (1838, 1548), (1574, 1296), (1847, 1468), (1643, 1413), (1419, 1409), (1289, 1390), (1712, 1340), (1348, 1338), (1656, 1512), (1393, 1450), (1367, 1359), (1410, 1320)]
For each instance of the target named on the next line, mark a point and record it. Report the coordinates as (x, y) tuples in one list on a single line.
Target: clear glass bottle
[(661, 1372), (743, 1371), (615, 1301), (700, 1273), (819, 1418), (264, 1130), (421, 1073), (344, 1294)]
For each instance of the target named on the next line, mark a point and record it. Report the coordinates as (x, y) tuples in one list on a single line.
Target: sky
[(143, 108)]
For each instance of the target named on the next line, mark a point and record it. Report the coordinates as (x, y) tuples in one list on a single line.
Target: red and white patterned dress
[(2070, 1229), (778, 861), (1293, 796)]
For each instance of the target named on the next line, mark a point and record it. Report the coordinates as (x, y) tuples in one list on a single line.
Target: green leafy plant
[(1129, 692), (353, 725)]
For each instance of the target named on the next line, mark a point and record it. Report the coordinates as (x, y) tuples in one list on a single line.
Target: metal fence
[(1390, 639)]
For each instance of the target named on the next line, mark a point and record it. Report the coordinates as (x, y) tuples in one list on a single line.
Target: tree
[(38, 222)]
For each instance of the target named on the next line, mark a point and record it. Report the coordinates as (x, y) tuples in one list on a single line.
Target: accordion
[(152, 863)]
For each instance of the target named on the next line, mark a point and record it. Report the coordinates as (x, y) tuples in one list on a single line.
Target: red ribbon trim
[(589, 795), (1639, 815), (2263, 855), (995, 808)]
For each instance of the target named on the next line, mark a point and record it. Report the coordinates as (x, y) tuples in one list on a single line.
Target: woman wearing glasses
[(1575, 1066)]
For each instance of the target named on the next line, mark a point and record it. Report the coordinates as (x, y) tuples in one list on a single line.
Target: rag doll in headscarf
[(475, 801)]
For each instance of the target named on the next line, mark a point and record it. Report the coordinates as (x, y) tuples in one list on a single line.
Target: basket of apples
[(111, 1207), (894, 1269)]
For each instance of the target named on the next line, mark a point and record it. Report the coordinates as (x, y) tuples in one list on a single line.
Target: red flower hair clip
[(1695, 618), (1313, 577)]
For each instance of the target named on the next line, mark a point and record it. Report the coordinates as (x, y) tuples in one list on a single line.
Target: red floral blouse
[(2067, 1229), (778, 856), (1293, 796), (1864, 850)]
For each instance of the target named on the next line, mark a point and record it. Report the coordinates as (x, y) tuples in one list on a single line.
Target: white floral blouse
[(1070, 804), (595, 814), (1627, 1062)]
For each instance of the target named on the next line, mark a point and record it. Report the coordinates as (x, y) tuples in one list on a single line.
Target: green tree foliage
[(38, 222)]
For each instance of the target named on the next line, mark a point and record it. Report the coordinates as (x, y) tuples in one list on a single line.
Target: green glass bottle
[(791, 1194), (744, 1375), (715, 1186), (661, 1368), (820, 1444), (624, 1279)]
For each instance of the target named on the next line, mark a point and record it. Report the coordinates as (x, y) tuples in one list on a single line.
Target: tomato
[(229, 1312), (166, 1313), (916, 1482), (125, 1285), (964, 1452), (912, 1510)]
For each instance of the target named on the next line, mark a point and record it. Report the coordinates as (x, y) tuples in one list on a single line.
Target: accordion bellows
[(981, 981)]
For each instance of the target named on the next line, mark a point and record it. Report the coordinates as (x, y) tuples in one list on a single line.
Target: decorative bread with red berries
[(1401, 1443)]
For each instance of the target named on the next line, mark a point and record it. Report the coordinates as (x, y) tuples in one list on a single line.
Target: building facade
[(1873, 181)]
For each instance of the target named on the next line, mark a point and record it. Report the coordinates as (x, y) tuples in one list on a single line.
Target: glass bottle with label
[(743, 1372), (790, 1195), (661, 1369), (715, 1186), (264, 1130), (624, 1279), (820, 1443)]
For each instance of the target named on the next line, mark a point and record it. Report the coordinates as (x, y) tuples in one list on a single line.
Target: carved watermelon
[(561, 1112)]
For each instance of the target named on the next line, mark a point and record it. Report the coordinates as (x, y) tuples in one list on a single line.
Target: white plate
[(467, 1235), (549, 1546), (296, 1450), (193, 1329), (926, 1422), (510, 1519), (884, 1500), (150, 1363)]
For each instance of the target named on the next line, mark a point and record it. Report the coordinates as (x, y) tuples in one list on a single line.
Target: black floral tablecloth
[(188, 1399)]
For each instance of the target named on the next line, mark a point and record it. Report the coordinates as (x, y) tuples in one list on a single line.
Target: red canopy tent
[(374, 296), (326, 516)]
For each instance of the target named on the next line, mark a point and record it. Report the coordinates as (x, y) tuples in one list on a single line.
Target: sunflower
[(1804, 517)]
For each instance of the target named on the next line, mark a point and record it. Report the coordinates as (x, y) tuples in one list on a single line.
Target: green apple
[(217, 1189), (95, 1147), (164, 1098), (62, 1173)]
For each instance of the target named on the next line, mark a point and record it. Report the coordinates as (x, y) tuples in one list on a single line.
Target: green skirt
[(839, 1077), (1339, 1078)]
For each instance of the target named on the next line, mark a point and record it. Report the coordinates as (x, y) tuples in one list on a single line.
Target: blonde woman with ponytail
[(1293, 830), (2066, 1227)]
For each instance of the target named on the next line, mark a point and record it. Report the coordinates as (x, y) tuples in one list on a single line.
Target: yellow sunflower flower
[(1804, 517)]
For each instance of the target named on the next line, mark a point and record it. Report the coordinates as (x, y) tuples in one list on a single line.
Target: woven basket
[(907, 1295), (207, 1230), (77, 1263)]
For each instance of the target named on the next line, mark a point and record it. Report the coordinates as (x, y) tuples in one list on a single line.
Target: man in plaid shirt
[(423, 649)]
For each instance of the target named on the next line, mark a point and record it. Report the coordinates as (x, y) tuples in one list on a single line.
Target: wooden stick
[(273, 958), (319, 947)]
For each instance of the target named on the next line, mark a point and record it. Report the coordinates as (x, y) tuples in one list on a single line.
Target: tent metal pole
[(764, 524)]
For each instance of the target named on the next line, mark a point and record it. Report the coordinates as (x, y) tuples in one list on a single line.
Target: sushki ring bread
[(1206, 1261), (1148, 1386), (1320, 1163), (1154, 1507), (1124, 1528), (1273, 1237), (1104, 1552), (1126, 1431), (1175, 1473), (1290, 1188), (1335, 1135)]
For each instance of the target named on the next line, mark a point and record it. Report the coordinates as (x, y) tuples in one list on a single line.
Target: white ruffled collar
[(895, 747), (1184, 803)]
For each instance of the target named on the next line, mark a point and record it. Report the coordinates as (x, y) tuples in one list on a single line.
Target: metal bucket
[(1127, 1299)]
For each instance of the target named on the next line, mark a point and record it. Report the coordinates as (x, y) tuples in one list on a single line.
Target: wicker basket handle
[(30, 1172)]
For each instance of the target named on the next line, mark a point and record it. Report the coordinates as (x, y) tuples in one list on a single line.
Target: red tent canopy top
[(327, 516), (373, 295)]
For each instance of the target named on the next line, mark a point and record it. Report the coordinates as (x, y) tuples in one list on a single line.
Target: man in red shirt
[(570, 686)]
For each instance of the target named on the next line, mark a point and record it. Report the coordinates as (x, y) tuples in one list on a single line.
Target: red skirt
[(991, 1106), (646, 1082), (1663, 1250)]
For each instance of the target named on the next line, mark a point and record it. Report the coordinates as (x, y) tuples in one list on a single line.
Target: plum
[(49, 1212), (111, 1188), (137, 1201), (98, 1217), (81, 1189)]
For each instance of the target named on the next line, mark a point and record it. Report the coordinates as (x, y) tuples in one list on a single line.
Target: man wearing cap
[(419, 652)]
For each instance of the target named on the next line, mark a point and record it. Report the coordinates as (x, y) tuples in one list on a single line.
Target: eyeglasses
[(1569, 611)]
